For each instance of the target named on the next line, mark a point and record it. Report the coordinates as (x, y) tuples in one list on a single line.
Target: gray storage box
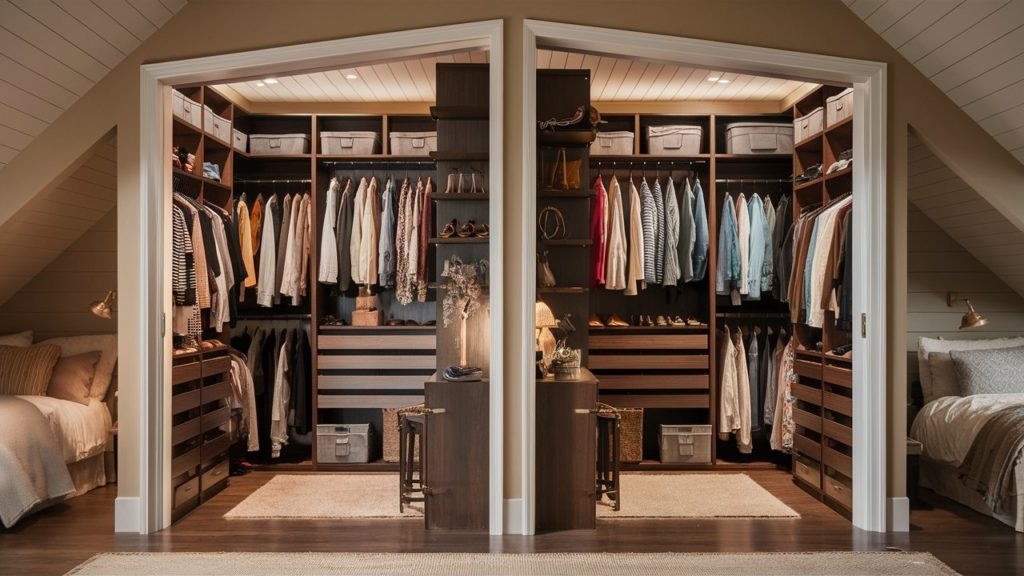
[(239, 140), (343, 443), (808, 125), (612, 143), (839, 107), (413, 143), (678, 140), (278, 144), (352, 143), (187, 109), (685, 444), (216, 126), (759, 138)]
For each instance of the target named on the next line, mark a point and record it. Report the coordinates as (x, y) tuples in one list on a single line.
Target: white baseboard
[(898, 513), (127, 516), (513, 516)]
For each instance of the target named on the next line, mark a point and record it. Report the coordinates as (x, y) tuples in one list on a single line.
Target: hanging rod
[(273, 181), (384, 163), (274, 317), (753, 181), (754, 315), (599, 162)]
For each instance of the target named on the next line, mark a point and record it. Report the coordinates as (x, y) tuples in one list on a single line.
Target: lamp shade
[(544, 316), (972, 319), (104, 308)]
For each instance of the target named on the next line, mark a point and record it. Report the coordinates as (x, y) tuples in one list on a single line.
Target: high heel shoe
[(449, 229), (483, 231), (459, 191), (451, 184), (467, 230), (616, 322), (595, 321)]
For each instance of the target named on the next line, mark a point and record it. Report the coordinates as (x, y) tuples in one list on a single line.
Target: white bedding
[(947, 426), (82, 431)]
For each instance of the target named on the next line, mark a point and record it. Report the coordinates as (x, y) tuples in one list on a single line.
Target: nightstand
[(914, 449)]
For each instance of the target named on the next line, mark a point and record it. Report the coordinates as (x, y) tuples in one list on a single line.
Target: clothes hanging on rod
[(674, 215), (735, 403), (599, 219), (701, 241), (617, 243), (328, 271), (817, 240)]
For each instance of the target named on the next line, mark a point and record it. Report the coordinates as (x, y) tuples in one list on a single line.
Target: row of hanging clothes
[(821, 274), (377, 235), (751, 234), (662, 242), (755, 383)]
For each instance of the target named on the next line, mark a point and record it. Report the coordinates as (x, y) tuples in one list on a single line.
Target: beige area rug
[(694, 495), (341, 564)]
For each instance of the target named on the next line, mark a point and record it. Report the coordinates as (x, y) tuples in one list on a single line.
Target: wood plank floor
[(58, 539)]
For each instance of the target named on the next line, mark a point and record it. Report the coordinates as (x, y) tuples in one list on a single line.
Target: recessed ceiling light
[(260, 84), (351, 76), (712, 78), (724, 81), (270, 80)]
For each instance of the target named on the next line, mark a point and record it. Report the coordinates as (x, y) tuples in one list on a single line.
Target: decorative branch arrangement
[(463, 288)]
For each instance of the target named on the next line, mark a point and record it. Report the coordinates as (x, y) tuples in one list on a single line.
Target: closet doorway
[(663, 360), (341, 337)]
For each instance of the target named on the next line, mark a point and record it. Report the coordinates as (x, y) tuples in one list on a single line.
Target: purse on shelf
[(548, 215), (565, 174), (545, 277)]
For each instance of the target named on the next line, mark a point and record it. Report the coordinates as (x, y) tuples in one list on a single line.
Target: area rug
[(342, 564), (693, 495)]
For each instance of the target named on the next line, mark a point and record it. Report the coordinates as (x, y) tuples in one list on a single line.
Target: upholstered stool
[(410, 484), (608, 443)]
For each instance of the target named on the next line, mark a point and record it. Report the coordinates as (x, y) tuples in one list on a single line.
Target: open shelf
[(840, 174), (376, 157), (564, 242), (754, 157), (649, 158), (198, 178), (458, 156), (473, 240), (844, 125), (811, 142), (275, 156), (563, 290), (808, 184), (459, 197), (578, 193)]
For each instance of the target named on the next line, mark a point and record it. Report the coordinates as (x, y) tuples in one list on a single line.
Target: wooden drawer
[(218, 473), (184, 373), (806, 446), (368, 401), (216, 366), (807, 369), (218, 417), (648, 342), (654, 382), (807, 394), (648, 362), (371, 362), (840, 490), (837, 460), (217, 391), (838, 431), (838, 376), (807, 470), (185, 401), (837, 403), (371, 382), (377, 342), (186, 492), (656, 400), (807, 420), (185, 462), (185, 431), (215, 447)]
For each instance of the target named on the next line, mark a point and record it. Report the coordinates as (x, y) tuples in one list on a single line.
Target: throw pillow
[(26, 371), (938, 376), (990, 371), (20, 339), (104, 343), (72, 377)]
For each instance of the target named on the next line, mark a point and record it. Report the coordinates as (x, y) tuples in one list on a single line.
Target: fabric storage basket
[(839, 107), (390, 434), (679, 140), (349, 142), (631, 430), (690, 444), (216, 126), (758, 138), (343, 443), (239, 140), (413, 143), (278, 144), (612, 143), (187, 109), (808, 125)]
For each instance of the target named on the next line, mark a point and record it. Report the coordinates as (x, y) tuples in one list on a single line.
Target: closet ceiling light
[(724, 81), (712, 78), (270, 80), (351, 76), (260, 84)]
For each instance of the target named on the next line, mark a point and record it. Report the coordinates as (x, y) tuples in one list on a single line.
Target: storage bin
[(839, 107), (758, 138), (413, 143), (685, 444), (390, 434), (612, 143), (631, 430), (352, 143), (239, 140), (216, 126), (343, 443), (807, 470), (678, 140), (187, 109), (808, 125), (278, 144)]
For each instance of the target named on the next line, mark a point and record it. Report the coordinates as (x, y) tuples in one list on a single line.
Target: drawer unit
[(186, 430), (215, 366), (216, 391), (218, 473), (806, 446), (807, 420), (186, 492), (218, 417), (187, 372), (807, 470), (185, 462), (807, 369), (839, 489), (185, 401), (837, 460)]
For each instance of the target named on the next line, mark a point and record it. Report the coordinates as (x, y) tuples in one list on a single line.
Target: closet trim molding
[(869, 261), (145, 293)]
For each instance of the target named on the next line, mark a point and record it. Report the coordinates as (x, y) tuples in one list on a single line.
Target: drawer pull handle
[(188, 488)]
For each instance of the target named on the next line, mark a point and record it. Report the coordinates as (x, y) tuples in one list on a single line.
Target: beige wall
[(219, 26), (56, 302)]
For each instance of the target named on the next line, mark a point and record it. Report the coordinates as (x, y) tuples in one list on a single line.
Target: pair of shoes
[(839, 165), (467, 230), (595, 321), (643, 320), (614, 321), (330, 320), (462, 374), (400, 322), (812, 173), (456, 186)]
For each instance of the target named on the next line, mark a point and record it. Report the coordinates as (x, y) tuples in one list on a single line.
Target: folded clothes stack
[(463, 374)]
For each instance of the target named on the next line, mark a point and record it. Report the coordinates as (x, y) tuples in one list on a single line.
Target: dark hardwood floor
[(58, 539)]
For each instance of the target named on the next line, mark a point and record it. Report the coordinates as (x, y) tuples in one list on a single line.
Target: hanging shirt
[(282, 396), (598, 228), (414, 237), (293, 253), (403, 287), (283, 238), (307, 242), (672, 233), (687, 233), (615, 261), (782, 423), (769, 262), (783, 256), (743, 242), (426, 232), (659, 233), (635, 268), (343, 235), (245, 240), (256, 222), (371, 234), (648, 218), (386, 244), (728, 404), (728, 272), (753, 371), (757, 242), (328, 272), (265, 287), (820, 284), (700, 244), (744, 440), (356, 238)]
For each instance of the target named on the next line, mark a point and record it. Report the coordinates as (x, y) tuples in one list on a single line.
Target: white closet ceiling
[(53, 51), (973, 50), (614, 79)]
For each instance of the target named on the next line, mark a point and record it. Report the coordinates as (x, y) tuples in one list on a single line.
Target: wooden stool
[(608, 456), (410, 485)]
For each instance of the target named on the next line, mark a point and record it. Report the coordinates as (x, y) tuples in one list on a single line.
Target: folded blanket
[(32, 469), (988, 467)]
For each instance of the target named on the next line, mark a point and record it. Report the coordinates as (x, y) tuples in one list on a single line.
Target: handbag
[(545, 277), (565, 174), (544, 219)]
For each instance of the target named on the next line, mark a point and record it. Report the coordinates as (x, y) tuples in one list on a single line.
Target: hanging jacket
[(245, 240), (386, 243), (256, 222), (598, 240), (782, 231), (648, 217), (328, 272), (659, 233), (728, 270), (757, 241), (616, 260), (267, 282), (672, 235), (635, 268), (403, 287), (426, 232), (744, 440), (728, 404), (743, 242), (687, 233), (701, 239), (283, 239), (343, 225), (356, 238)]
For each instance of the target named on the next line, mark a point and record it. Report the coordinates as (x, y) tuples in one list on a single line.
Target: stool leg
[(401, 464), (615, 464)]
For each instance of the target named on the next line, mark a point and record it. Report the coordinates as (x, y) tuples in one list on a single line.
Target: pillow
[(938, 376), (26, 370), (104, 343), (990, 371), (72, 377), (21, 339)]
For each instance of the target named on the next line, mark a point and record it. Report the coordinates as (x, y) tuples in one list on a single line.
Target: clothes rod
[(754, 315), (274, 317), (753, 181), (383, 163), (648, 162), (274, 181)]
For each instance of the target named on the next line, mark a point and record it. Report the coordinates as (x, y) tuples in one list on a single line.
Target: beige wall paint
[(222, 26), (56, 302)]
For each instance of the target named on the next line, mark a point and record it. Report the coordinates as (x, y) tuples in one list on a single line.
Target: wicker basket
[(391, 435), (631, 431)]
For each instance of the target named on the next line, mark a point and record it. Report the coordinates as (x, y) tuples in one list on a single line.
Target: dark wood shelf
[(459, 197), (210, 139), (648, 158), (274, 156), (610, 329), (459, 112), (840, 174), (473, 240), (375, 157), (335, 330), (809, 184), (578, 193), (180, 126), (564, 242), (458, 156), (720, 465), (754, 157), (563, 290), (201, 179), (811, 142), (843, 125), (566, 137)]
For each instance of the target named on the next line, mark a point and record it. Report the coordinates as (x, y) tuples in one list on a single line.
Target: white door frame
[(151, 510), (869, 256)]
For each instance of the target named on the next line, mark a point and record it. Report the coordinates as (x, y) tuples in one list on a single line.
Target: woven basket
[(391, 435), (631, 422)]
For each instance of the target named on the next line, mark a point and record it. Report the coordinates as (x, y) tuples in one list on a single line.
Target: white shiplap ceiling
[(54, 51), (614, 79), (963, 214), (973, 50)]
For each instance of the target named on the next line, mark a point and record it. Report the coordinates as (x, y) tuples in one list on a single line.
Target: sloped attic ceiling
[(54, 51), (973, 50)]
